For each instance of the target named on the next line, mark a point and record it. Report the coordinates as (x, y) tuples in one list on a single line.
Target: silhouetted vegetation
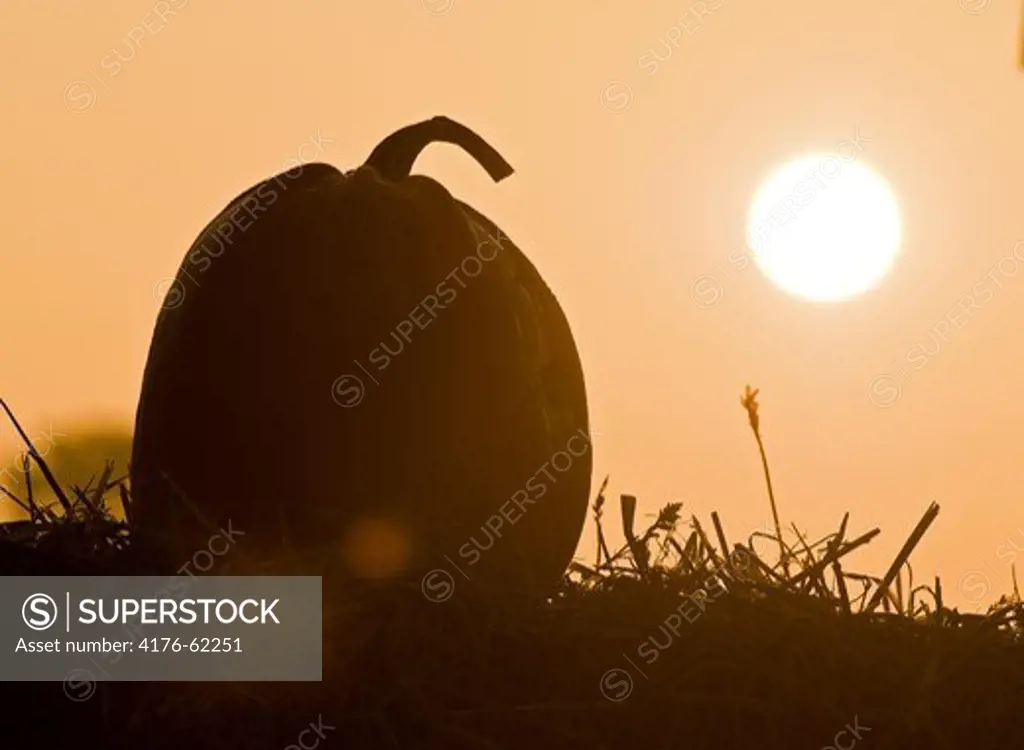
[(683, 637), (75, 459)]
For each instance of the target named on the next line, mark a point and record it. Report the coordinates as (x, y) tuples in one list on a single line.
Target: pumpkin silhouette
[(362, 365)]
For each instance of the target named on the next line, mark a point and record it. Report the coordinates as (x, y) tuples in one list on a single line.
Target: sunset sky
[(639, 134)]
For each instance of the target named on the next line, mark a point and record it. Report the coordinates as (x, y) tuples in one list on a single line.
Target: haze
[(634, 176)]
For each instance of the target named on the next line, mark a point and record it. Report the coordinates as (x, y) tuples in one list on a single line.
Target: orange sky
[(111, 170)]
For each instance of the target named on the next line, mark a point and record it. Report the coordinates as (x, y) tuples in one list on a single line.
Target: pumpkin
[(362, 365)]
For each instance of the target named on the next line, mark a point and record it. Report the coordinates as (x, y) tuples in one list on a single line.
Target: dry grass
[(747, 652)]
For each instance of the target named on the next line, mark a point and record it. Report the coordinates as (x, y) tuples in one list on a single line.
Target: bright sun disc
[(824, 230)]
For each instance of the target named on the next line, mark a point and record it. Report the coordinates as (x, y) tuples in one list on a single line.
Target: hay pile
[(682, 638)]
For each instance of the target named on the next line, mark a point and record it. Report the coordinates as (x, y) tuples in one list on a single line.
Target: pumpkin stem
[(394, 156)]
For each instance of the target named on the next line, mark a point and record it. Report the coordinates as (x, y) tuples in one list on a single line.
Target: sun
[(824, 229)]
